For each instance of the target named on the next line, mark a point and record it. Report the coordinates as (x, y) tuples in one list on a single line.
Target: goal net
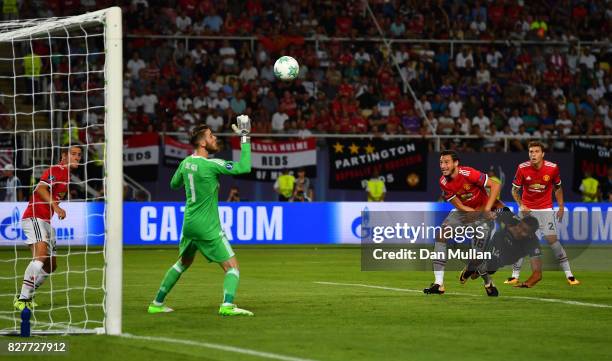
[(60, 86)]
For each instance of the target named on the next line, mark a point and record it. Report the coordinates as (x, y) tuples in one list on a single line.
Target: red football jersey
[(57, 178), (468, 185), (537, 184)]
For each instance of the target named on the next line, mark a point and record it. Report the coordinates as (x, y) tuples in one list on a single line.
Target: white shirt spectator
[(249, 74), (401, 56), (197, 54), (149, 102), (362, 57), (483, 123), (557, 92), (213, 86), (132, 104), (565, 124), (478, 26), (214, 122), (183, 104), (385, 107), (278, 121), (494, 58), (597, 93), (183, 22), (11, 186), (191, 118), (543, 134), (588, 60), (228, 54), (200, 101), (515, 123), (455, 108), (461, 59), (483, 76), (426, 105), (135, 66), (221, 104), (445, 125)]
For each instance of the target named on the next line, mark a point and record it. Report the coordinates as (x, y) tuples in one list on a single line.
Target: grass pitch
[(297, 317)]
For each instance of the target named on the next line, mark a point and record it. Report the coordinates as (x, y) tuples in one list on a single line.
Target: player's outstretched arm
[(241, 128), (536, 273)]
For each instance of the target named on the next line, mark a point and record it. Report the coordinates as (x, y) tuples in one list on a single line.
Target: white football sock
[(29, 279)]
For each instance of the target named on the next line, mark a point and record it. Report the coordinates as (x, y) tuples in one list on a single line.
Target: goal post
[(75, 98), (114, 169)]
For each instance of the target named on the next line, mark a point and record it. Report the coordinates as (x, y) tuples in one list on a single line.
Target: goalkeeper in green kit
[(201, 226)]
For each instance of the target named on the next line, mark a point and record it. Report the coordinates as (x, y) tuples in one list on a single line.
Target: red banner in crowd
[(270, 157)]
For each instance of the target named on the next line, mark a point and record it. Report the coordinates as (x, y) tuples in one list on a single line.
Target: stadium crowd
[(353, 86)]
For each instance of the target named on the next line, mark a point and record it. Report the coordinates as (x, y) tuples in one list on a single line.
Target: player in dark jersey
[(464, 187), (515, 239)]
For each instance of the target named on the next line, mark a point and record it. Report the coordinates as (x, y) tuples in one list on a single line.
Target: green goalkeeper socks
[(230, 285), (170, 279)]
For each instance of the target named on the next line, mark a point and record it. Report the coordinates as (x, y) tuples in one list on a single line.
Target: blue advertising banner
[(269, 223)]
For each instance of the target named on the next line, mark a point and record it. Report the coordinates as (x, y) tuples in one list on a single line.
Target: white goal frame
[(113, 155)]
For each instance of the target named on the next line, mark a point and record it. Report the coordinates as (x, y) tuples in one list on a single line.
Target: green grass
[(294, 316)]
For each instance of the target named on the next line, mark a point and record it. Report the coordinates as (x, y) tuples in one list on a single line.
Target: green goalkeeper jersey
[(200, 177)]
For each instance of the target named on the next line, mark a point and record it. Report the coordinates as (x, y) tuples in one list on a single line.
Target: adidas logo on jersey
[(528, 178)]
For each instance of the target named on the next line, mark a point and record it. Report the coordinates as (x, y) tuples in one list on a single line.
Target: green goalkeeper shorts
[(217, 250)]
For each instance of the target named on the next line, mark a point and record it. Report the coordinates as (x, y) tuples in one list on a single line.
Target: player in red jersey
[(538, 179), (36, 223), (464, 187)]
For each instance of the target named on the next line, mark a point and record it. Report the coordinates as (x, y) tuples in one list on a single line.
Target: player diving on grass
[(202, 232), (537, 178), (36, 224), (515, 239), (464, 187)]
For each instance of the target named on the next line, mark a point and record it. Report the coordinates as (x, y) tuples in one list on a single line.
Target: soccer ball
[(286, 68)]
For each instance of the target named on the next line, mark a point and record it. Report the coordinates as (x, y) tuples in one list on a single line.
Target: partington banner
[(269, 158), (401, 164)]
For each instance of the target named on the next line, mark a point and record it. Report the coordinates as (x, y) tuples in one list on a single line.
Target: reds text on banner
[(141, 156), (269, 158), (590, 157), (402, 164), (175, 151)]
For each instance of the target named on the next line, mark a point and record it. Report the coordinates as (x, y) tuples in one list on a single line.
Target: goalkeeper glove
[(243, 128)]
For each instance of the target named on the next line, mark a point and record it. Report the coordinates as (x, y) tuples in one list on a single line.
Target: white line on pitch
[(215, 346), (552, 300)]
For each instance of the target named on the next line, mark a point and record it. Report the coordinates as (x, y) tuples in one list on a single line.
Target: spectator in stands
[(284, 186), (589, 187), (234, 194), (375, 188), (135, 65), (299, 195), (11, 185), (278, 121)]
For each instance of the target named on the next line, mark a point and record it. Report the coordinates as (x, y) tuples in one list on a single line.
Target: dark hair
[(535, 143), (66, 148), (532, 222), (452, 154), (197, 133)]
